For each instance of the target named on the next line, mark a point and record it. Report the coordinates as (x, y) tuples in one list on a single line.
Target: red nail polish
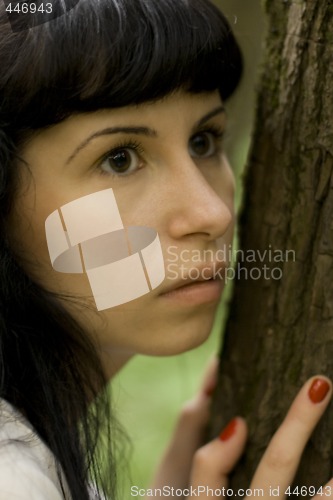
[(318, 390), (229, 430)]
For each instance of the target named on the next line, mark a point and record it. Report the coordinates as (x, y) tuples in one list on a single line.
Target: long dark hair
[(102, 54)]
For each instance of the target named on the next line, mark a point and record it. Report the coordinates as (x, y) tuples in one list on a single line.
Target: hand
[(176, 465), (187, 465)]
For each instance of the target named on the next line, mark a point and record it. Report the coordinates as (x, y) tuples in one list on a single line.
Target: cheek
[(224, 185), (225, 188), (229, 182), (30, 245), (84, 246), (28, 237), (27, 232)]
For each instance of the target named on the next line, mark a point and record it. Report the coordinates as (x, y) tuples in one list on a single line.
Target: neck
[(113, 360)]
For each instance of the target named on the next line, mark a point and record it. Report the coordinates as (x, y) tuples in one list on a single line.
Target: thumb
[(213, 462)]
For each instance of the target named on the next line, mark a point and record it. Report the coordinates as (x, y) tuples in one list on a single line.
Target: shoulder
[(28, 469)]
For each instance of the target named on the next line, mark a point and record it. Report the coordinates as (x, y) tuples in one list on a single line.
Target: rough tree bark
[(280, 331)]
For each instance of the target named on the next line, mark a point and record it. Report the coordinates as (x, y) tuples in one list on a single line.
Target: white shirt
[(27, 466)]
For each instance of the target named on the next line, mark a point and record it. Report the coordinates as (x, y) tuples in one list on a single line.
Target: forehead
[(177, 109)]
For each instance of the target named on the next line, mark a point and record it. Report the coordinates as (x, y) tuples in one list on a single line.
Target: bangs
[(113, 53)]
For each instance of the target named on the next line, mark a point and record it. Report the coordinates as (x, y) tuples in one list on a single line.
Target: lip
[(206, 288)]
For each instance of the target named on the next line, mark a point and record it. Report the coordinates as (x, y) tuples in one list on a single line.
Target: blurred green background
[(149, 392)]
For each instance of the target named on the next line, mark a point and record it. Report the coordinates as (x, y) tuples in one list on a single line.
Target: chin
[(179, 339)]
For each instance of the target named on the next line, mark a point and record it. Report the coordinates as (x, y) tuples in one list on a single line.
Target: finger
[(188, 435), (280, 461), (324, 491), (213, 462)]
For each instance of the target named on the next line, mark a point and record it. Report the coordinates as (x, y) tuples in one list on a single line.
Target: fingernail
[(318, 390), (229, 430)]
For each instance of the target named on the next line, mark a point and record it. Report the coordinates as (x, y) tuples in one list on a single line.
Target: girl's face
[(165, 163)]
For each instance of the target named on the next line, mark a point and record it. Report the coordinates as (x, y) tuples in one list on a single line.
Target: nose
[(201, 205)]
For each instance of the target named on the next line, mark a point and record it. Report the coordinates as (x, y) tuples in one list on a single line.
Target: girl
[(111, 123)]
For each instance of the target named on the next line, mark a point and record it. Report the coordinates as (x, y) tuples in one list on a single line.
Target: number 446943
[(311, 491), (28, 8)]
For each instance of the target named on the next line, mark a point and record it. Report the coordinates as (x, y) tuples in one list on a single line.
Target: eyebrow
[(211, 114), (112, 130), (148, 132)]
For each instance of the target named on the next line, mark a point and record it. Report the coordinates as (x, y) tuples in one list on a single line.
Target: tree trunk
[(280, 326)]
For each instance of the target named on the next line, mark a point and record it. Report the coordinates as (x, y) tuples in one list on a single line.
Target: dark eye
[(203, 145), (121, 161)]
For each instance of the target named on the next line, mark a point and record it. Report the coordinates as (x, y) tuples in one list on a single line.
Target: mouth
[(200, 285)]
